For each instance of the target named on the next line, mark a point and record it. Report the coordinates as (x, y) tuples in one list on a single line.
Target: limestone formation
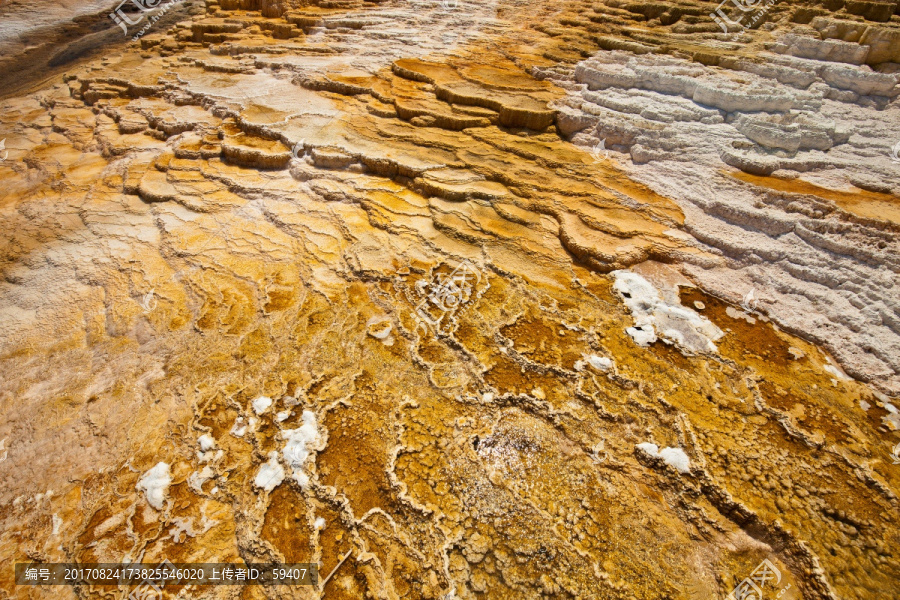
[(454, 299)]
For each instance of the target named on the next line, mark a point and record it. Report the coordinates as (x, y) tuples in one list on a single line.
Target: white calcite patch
[(206, 442), (654, 317), (649, 448), (675, 457), (198, 478), (643, 335), (261, 404), (601, 363), (155, 484), (297, 448), (270, 474), (239, 428)]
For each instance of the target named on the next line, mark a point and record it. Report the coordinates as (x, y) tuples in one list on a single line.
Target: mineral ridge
[(457, 299)]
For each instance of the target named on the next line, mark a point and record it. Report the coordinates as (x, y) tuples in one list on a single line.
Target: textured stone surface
[(253, 203)]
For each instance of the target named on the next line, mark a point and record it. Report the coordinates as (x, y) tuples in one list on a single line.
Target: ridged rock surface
[(675, 351)]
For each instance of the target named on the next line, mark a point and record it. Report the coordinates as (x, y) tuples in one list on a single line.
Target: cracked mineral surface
[(462, 299)]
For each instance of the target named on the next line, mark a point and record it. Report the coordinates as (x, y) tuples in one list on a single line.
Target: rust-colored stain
[(862, 203)]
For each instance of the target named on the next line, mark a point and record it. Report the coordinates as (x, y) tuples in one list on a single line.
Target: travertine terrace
[(676, 353)]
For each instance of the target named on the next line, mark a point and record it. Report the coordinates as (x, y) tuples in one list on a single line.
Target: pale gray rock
[(770, 135), (818, 270), (817, 49), (861, 80)]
